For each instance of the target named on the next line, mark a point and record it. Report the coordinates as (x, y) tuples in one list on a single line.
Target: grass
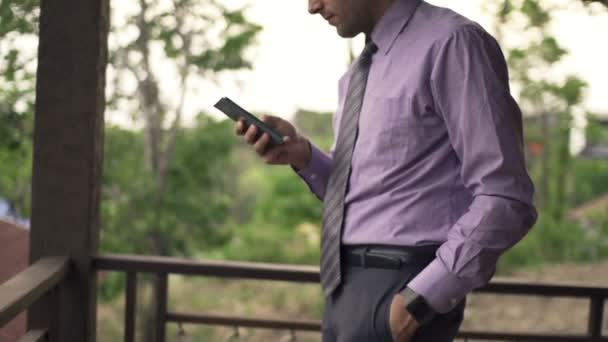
[(256, 299)]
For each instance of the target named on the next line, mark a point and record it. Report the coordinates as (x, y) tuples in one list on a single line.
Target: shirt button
[(313, 177)]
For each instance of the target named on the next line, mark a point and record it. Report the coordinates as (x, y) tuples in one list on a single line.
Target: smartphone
[(236, 112)]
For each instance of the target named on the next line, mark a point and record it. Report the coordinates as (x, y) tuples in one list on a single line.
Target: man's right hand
[(295, 149)]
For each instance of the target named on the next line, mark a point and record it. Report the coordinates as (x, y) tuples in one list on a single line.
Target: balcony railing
[(21, 291), (44, 276), (163, 266)]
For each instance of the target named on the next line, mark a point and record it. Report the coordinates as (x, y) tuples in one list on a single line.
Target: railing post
[(51, 323), (35, 336), (130, 304), (596, 313), (161, 307)]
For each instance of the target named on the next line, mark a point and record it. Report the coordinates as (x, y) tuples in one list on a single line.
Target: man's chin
[(345, 33)]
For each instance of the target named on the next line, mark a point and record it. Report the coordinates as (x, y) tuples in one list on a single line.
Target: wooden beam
[(68, 145), (246, 322), (26, 287), (228, 269), (500, 336)]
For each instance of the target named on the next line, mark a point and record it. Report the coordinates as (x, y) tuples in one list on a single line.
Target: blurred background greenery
[(194, 190)]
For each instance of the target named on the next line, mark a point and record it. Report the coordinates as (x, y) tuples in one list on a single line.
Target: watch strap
[(418, 307)]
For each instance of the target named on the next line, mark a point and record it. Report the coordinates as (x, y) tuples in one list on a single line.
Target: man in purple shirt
[(437, 187)]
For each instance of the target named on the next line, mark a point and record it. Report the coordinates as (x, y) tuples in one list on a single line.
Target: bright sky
[(299, 58)]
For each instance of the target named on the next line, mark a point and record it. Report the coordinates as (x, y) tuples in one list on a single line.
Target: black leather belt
[(393, 257)]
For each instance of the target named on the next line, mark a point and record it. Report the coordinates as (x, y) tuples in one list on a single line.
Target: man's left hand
[(403, 325)]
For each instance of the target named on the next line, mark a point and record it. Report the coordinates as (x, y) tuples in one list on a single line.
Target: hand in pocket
[(402, 324)]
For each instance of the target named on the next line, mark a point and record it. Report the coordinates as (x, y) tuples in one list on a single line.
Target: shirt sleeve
[(316, 173), (469, 81)]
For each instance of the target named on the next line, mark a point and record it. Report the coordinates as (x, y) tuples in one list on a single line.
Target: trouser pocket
[(381, 313)]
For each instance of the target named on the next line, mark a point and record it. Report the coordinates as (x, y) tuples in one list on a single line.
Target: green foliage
[(315, 126), (589, 179), (15, 128), (277, 218), (198, 38), (550, 50), (16, 159), (537, 15), (196, 202), (596, 133), (561, 180), (551, 100), (218, 200), (229, 56), (550, 241), (177, 194), (144, 209), (267, 242), (285, 201), (17, 22), (18, 16), (200, 187)]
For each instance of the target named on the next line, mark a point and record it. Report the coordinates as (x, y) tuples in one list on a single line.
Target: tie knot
[(369, 49)]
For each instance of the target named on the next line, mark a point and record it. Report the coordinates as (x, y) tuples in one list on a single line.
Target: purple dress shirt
[(439, 156)]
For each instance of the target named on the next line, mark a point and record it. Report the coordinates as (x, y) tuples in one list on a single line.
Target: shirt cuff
[(316, 173), (442, 289), (317, 167)]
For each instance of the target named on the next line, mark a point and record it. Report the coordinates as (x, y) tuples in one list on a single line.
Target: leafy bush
[(551, 242)]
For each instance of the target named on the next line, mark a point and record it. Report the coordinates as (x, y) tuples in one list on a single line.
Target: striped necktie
[(333, 211)]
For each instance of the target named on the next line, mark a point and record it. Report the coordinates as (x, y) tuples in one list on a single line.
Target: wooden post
[(161, 306), (130, 304), (68, 148), (596, 319)]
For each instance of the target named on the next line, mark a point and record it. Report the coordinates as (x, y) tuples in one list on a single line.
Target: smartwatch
[(418, 307)]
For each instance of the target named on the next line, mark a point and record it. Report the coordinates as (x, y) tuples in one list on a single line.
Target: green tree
[(275, 217), (197, 40), (18, 26), (18, 17), (552, 99), (316, 126), (599, 2), (198, 195), (193, 39), (199, 192)]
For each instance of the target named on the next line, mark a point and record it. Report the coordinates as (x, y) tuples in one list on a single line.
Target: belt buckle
[(363, 256), (396, 262)]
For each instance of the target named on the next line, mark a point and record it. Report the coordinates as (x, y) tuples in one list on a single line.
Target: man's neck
[(378, 9)]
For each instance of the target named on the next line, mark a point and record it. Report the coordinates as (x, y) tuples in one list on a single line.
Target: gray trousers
[(358, 310)]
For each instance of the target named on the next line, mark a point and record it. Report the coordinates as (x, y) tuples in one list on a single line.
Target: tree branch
[(601, 2), (167, 155)]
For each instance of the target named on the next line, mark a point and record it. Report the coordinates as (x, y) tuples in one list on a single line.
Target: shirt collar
[(392, 23)]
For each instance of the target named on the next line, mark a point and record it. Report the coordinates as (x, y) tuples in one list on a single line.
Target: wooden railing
[(21, 291), (17, 294), (163, 266)]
